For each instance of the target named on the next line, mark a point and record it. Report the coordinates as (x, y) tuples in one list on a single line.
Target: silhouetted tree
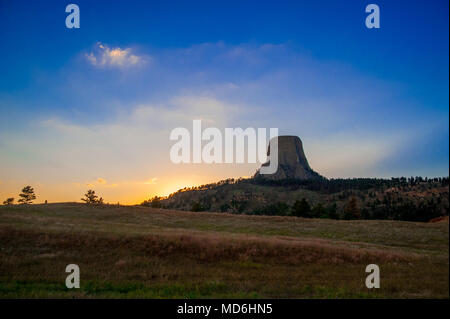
[(27, 196), (91, 198), (237, 205), (278, 208), (319, 211), (156, 202), (365, 214), (197, 207), (351, 210), (301, 208), (224, 207), (332, 211), (9, 201)]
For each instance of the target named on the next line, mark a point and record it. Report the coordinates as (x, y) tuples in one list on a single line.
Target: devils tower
[(292, 162)]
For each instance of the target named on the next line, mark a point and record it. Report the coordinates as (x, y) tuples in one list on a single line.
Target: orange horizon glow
[(124, 193)]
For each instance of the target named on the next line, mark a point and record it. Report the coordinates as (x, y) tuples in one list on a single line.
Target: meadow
[(143, 252)]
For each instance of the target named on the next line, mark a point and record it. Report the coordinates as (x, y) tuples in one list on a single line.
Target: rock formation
[(292, 162)]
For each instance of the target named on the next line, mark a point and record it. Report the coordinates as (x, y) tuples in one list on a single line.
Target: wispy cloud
[(101, 182), (151, 181), (104, 56)]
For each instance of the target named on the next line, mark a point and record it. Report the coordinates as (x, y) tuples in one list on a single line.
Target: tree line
[(27, 196), (352, 209), (336, 185), (402, 198), (322, 184)]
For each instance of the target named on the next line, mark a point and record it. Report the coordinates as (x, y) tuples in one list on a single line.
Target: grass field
[(137, 252)]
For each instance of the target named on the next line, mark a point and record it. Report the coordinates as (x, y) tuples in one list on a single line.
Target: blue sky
[(94, 106)]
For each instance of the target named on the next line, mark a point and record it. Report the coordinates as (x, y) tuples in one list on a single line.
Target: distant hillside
[(411, 199), (296, 189)]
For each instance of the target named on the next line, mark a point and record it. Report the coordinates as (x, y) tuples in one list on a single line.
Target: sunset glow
[(94, 107)]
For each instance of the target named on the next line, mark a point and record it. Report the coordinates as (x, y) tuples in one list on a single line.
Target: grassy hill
[(412, 199), (127, 251)]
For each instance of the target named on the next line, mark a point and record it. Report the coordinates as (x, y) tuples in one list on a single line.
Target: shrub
[(351, 210), (197, 207), (9, 201), (301, 208)]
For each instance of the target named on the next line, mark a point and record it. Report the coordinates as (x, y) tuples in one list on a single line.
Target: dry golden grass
[(144, 252)]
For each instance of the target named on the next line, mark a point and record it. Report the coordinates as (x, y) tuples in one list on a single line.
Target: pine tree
[(9, 201), (27, 196), (90, 197), (351, 210), (301, 208)]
